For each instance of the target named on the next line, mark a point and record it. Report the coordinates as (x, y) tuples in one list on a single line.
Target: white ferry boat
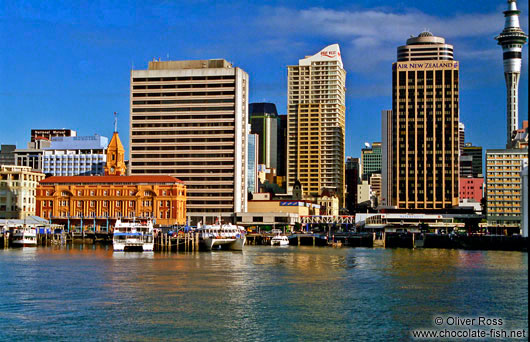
[(25, 237), (136, 235), (226, 236), (280, 240)]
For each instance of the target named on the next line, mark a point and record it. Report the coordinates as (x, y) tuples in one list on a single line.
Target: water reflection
[(312, 293)]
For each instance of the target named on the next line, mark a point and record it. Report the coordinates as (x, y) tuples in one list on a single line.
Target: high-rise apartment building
[(316, 122), (189, 120), (504, 187), (425, 117), (512, 39), (264, 123), (371, 163)]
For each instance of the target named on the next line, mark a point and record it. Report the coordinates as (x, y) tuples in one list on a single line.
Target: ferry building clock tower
[(115, 155)]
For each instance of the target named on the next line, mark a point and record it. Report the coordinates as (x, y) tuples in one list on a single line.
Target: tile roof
[(110, 179)]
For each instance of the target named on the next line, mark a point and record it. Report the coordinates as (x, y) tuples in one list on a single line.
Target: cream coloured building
[(189, 120), (17, 191), (316, 122), (504, 194)]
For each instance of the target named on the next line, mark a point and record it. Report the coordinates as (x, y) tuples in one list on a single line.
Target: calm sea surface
[(86, 293)]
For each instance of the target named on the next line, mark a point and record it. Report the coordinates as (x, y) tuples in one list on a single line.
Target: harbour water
[(89, 293)]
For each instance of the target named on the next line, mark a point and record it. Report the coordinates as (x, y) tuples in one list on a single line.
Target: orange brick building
[(96, 202)]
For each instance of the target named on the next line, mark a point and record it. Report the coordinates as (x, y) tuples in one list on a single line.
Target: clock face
[(111, 169)]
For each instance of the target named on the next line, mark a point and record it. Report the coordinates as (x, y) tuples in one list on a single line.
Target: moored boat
[(24, 237), (133, 236), (280, 240), (226, 236)]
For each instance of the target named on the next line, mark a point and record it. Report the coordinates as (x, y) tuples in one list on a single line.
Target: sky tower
[(512, 39)]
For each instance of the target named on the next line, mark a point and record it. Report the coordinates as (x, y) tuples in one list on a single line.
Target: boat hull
[(235, 244), (279, 242), (132, 247)]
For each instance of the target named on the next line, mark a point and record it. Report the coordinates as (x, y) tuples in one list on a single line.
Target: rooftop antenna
[(115, 122)]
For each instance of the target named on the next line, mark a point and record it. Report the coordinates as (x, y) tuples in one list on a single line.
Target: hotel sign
[(426, 65)]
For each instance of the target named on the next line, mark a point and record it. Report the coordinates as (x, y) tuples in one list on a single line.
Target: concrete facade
[(189, 119)]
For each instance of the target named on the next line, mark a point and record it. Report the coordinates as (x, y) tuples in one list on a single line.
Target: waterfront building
[(471, 189), (386, 158), (371, 157), (512, 39), (504, 188), (75, 156), (524, 202), (7, 154), (252, 174), (98, 201), (282, 146), (17, 191), (267, 214), (471, 161), (48, 134), (316, 122), (264, 123), (352, 180), (189, 119), (425, 118)]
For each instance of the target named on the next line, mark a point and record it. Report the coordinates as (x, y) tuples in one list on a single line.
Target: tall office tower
[(425, 117), (461, 136), (264, 122), (282, 145), (316, 122), (512, 39), (252, 174), (471, 161), (504, 189), (386, 157), (371, 160), (352, 180), (189, 120)]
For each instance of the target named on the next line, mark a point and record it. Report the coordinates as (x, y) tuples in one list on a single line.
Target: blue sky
[(67, 64)]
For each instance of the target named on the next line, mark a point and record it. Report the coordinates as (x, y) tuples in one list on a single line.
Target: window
[(92, 193), (118, 192), (79, 192), (105, 203), (92, 204), (118, 203)]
